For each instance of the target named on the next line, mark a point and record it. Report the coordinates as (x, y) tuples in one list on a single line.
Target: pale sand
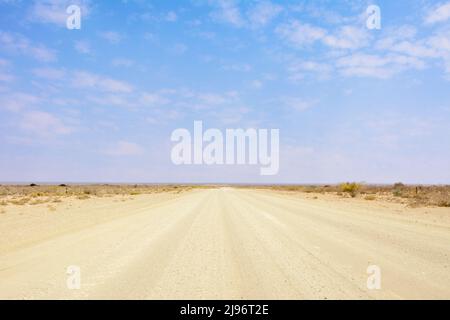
[(224, 244)]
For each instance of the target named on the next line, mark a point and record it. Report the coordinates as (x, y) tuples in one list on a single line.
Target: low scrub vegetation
[(34, 194), (350, 188), (410, 195)]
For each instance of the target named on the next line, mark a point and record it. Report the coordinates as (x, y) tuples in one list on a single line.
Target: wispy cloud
[(18, 101), (125, 149), (263, 13), (122, 62), (439, 13), (54, 11), (82, 47), (228, 11), (83, 79), (300, 34), (171, 16), (49, 73), (347, 37), (5, 72), (43, 124), (111, 36), (302, 69), (365, 65), (17, 43), (298, 104)]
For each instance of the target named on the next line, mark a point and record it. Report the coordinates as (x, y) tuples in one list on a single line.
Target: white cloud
[(299, 34), (408, 46), (397, 51), (4, 63), (125, 148), (122, 62), (299, 70), (82, 47), (438, 14), (49, 73), (383, 67), (414, 49), (18, 101), (434, 47), (16, 43), (111, 36), (54, 11), (298, 104), (211, 99), (347, 37), (256, 84), (49, 12), (83, 79), (228, 12), (153, 100), (171, 16), (263, 13), (43, 124), (112, 100), (5, 75), (237, 67)]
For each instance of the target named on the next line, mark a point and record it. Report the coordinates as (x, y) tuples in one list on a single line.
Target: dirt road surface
[(224, 243)]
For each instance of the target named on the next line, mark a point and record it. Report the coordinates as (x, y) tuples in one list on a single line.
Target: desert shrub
[(444, 204), (370, 197), (37, 194), (399, 185), (397, 193), (350, 188)]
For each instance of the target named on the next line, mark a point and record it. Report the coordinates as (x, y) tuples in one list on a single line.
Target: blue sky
[(99, 104)]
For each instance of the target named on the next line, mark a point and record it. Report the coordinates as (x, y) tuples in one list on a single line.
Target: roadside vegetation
[(34, 194), (410, 195)]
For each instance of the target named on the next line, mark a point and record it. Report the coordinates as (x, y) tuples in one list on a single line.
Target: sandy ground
[(224, 244)]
